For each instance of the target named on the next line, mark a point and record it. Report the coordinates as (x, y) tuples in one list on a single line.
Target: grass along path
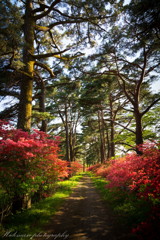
[(32, 221), (127, 207), (85, 216)]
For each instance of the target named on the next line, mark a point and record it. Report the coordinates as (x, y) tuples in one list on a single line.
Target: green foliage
[(10, 24), (128, 207), (32, 221), (145, 15), (11, 41), (39, 116)]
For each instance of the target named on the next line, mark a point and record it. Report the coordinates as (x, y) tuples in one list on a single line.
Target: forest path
[(84, 216)]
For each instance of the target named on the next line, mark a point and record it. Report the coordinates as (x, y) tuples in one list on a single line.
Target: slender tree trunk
[(71, 145), (67, 134), (112, 140), (26, 204), (42, 106), (101, 128), (25, 105), (108, 144), (103, 135), (112, 144)]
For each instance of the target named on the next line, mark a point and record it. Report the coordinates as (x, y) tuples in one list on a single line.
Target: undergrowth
[(128, 208), (32, 221)]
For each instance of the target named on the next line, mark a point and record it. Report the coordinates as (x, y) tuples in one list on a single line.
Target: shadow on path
[(85, 217)]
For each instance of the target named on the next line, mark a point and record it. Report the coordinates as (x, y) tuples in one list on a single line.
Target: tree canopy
[(82, 70)]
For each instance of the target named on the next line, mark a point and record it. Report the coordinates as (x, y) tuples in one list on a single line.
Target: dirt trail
[(84, 216)]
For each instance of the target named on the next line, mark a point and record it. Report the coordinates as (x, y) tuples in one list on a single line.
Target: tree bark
[(139, 132), (102, 138), (112, 145), (108, 144), (71, 147), (25, 104), (42, 106), (67, 134), (26, 86)]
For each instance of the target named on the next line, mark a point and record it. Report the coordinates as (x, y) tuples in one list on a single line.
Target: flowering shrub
[(133, 172), (94, 168), (149, 229), (139, 175), (28, 161), (75, 167), (99, 169)]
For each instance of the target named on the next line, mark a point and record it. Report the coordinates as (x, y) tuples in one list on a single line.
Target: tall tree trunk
[(112, 149), (139, 132), (67, 134), (25, 105), (42, 106), (108, 144), (112, 144), (71, 145), (101, 129), (103, 135)]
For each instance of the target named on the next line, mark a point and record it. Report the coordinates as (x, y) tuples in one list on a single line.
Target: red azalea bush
[(139, 173), (75, 167), (149, 229), (99, 169), (94, 168), (28, 161)]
